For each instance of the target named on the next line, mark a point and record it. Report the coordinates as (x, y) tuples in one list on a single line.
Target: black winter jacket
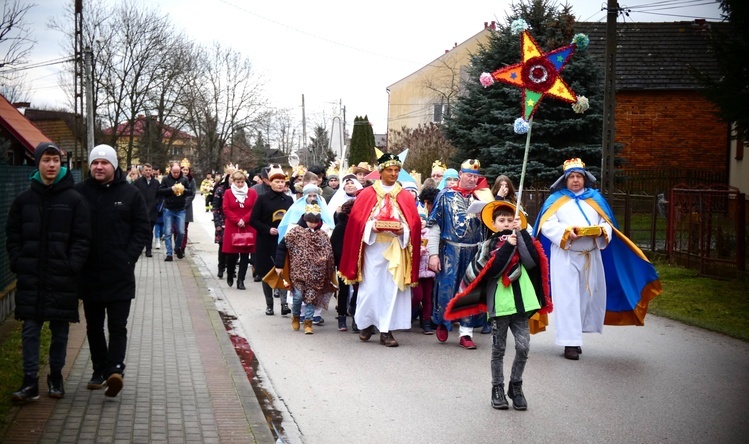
[(120, 229), (48, 234), (149, 194), (172, 201)]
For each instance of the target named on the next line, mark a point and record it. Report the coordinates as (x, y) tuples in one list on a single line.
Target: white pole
[(525, 162)]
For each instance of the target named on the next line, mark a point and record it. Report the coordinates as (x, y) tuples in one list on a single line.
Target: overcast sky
[(333, 50)]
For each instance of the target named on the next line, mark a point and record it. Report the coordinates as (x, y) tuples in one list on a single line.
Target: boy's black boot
[(29, 391), (516, 394), (498, 397), (55, 385)]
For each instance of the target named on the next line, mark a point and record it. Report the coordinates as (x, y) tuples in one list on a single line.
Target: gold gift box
[(593, 231), (387, 225)]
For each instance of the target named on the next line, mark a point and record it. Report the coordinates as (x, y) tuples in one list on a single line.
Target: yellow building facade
[(425, 96)]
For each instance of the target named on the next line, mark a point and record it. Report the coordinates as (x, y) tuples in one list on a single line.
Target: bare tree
[(226, 96), (442, 83), (426, 144), (285, 129), (15, 45), (136, 45)]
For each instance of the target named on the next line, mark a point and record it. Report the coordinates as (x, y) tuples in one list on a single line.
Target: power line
[(38, 65)]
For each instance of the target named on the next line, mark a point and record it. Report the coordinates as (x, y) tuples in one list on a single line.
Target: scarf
[(240, 193)]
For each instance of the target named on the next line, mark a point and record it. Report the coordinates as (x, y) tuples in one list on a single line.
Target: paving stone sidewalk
[(183, 382)]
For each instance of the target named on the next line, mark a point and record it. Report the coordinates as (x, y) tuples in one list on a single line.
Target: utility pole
[(304, 127), (88, 56), (77, 153), (609, 103)]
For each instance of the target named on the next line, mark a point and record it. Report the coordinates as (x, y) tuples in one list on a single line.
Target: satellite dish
[(293, 160)]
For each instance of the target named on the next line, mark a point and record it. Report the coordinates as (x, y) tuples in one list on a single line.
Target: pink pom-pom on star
[(486, 80)]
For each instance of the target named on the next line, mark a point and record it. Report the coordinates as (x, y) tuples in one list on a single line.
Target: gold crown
[(470, 165), (312, 209), (185, 163), (229, 168), (439, 166), (574, 163), (298, 171), (332, 169)]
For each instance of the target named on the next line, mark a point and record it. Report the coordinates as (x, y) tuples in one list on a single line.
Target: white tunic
[(380, 302), (578, 281)]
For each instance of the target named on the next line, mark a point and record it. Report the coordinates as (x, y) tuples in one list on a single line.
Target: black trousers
[(231, 263), (150, 241), (107, 358), (345, 306)]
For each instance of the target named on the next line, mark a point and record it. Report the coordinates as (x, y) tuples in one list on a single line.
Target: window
[(441, 111)]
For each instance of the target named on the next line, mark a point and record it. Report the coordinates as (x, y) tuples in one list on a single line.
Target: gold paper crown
[(438, 166), (185, 163), (332, 169), (229, 168), (298, 171), (312, 209), (470, 166), (574, 163)]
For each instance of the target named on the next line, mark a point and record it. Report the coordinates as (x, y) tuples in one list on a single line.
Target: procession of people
[(448, 253)]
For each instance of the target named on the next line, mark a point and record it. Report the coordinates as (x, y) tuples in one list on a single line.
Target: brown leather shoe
[(388, 340), (366, 333), (571, 353)]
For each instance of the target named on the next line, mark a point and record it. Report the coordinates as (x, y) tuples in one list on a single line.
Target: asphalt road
[(664, 382)]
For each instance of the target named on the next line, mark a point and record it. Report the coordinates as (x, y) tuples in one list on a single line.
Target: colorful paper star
[(538, 74)]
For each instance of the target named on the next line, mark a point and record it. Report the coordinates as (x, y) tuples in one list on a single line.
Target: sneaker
[(114, 385), (442, 333), (341, 323), (499, 401), (426, 328), (29, 391), (97, 382), (318, 320), (467, 343), (55, 386), (157, 245), (168, 258), (486, 329)]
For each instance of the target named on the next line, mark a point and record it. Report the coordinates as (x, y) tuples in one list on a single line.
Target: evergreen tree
[(481, 124), (362, 142)]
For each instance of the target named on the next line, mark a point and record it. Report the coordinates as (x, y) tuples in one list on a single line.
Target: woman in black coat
[(267, 213)]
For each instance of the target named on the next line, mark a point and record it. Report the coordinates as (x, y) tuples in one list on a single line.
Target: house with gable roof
[(143, 132), (18, 136), (664, 126)]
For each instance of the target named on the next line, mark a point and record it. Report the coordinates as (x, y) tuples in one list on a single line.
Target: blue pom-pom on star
[(520, 126), (518, 26), (581, 41)]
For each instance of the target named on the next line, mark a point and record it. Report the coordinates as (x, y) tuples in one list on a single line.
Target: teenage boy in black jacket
[(48, 234)]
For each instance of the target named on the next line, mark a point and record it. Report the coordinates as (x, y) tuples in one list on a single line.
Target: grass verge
[(11, 367), (718, 305)]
